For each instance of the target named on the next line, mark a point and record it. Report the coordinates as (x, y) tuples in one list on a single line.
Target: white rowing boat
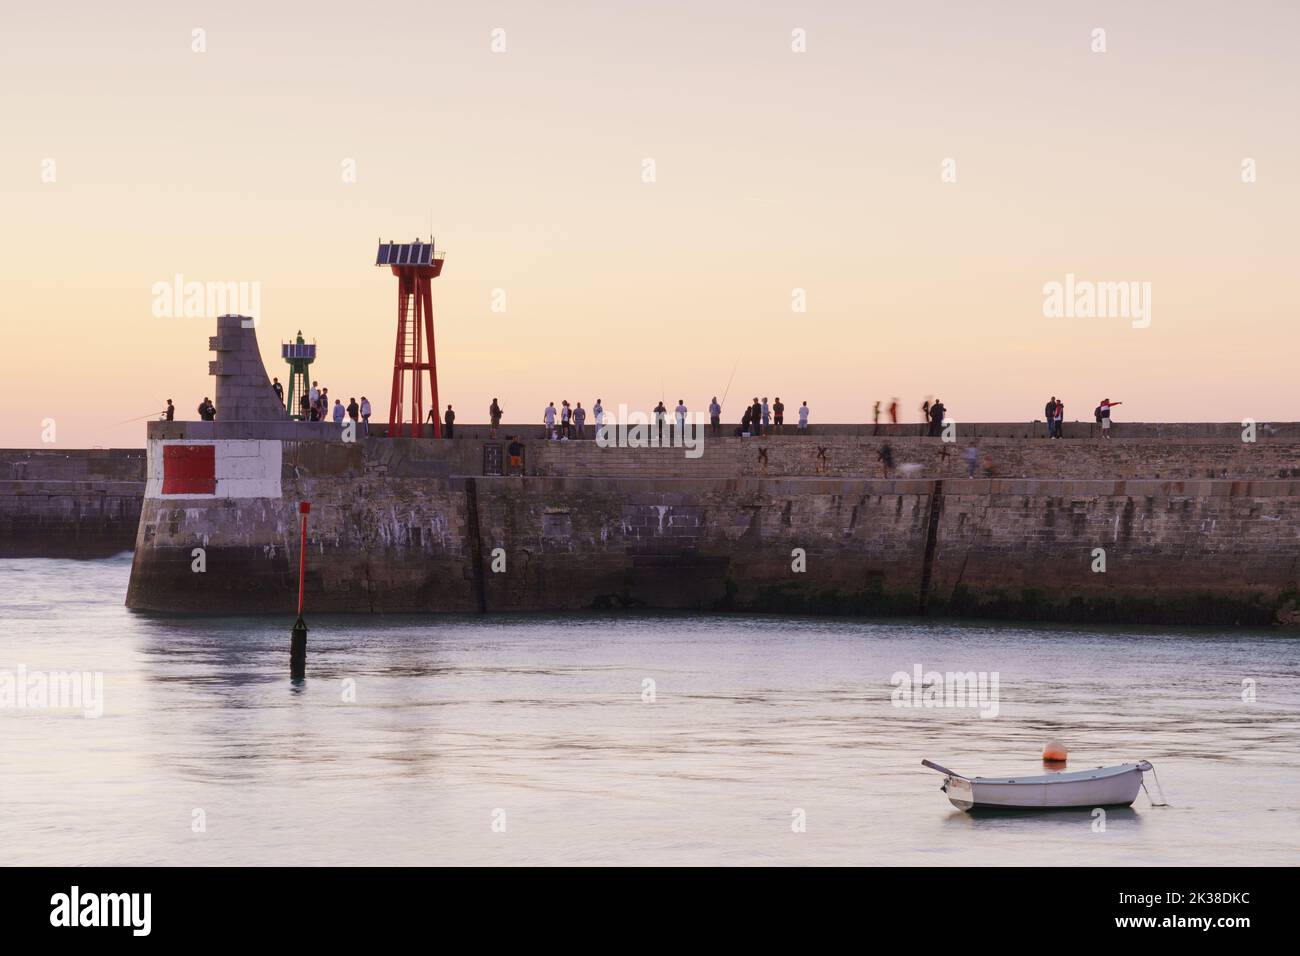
[(1102, 787)]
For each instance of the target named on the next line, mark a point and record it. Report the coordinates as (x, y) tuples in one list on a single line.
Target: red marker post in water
[(298, 638)]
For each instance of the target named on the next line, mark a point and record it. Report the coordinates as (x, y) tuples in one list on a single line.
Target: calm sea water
[(540, 725)]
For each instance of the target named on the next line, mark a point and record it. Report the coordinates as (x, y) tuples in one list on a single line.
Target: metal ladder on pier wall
[(931, 540)]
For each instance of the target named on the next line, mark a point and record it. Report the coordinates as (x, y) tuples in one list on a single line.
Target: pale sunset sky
[(126, 158)]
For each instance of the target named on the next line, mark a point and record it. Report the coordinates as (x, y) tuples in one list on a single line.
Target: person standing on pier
[(566, 415), (354, 410), (365, 416), (1050, 411), (745, 421), (893, 411), (755, 417), (875, 419), (778, 415), (494, 416), (548, 418), (1104, 411), (579, 419), (803, 417), (767, 418), (278, 389), (515, 451), (936, 418), (339, 411), (925, 410), (599, 411), (449, 421), (661, 419), (715, 416), (1058, 417), (313, 394), (680, 413)]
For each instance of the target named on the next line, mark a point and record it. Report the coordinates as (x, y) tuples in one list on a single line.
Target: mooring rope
[(1159, 789)]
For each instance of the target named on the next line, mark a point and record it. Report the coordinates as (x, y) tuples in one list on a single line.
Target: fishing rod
[(729, 381), (158, 413)]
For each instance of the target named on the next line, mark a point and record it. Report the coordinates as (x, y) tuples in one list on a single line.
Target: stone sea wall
[(413, 525), (78, 503)]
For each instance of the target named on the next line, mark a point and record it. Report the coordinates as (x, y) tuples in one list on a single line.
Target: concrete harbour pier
[(414, 525)]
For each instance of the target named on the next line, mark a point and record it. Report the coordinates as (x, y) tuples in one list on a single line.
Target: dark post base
[(298, 650)]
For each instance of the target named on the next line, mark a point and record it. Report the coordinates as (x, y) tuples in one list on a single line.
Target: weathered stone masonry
[(407, 525), (79, 503)]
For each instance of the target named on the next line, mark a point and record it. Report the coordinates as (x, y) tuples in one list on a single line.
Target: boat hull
[(1106, 787)]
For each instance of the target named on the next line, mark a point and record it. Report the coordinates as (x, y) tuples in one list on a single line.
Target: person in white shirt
[(803, 417), (365, 415), (548, 417), (599, 411), (680, 412)]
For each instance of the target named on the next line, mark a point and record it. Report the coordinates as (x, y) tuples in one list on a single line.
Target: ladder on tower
[(409, 361), (409, 358)]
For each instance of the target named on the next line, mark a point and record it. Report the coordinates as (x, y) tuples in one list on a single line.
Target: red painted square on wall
[(189, 470)]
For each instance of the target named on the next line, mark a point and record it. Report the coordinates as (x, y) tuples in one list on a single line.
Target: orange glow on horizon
[(131, 159)]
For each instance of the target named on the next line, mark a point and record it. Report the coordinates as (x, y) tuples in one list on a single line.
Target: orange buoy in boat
[(1054, 752)]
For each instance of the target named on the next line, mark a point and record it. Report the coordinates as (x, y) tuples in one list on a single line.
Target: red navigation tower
[(415, 264)]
